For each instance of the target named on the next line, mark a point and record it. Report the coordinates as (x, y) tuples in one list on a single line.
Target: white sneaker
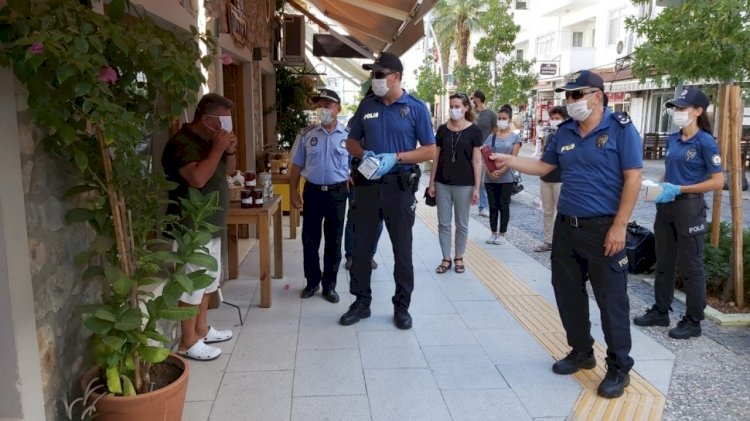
[(492, 239), (484, 212), (499, 239)]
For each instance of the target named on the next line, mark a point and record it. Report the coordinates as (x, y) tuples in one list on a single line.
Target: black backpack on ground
[(640, 247)]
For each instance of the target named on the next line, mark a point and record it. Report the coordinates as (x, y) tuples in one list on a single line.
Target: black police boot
[(357, 311), (574, 361), (652, 317), (686, 328), (401, 318), (614, 383), (331, 296), (309, 292)]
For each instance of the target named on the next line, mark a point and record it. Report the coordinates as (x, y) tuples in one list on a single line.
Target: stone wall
[(58, 289)]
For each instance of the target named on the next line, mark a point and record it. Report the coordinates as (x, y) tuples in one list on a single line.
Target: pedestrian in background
[(321, 157), (549, 184), (455, 178), (600, 155), (486, 121), (692, 167), (397, 129), (499, 183)]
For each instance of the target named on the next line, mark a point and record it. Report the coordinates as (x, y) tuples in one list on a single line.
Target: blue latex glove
[(387, 161), (668, 193), (367, 154)]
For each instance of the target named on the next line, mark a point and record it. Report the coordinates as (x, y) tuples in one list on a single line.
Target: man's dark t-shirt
[(182, 149), (486, 121), (458, 145)]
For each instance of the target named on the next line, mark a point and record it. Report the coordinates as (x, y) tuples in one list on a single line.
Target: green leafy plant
[(98, 84), (429, 81), (717, 263), (293, 93)]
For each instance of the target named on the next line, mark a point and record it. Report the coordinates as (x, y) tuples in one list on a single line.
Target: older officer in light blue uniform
[(599, 153), (320, 155), (396, 128), (692, 167)]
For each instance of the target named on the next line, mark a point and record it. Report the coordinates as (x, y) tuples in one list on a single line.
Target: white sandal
[(214, 336), (201, 352)]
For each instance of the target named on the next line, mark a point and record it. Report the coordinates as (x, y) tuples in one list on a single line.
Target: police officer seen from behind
[(599, 153), (392, 122), (320, 156), (692, 167)]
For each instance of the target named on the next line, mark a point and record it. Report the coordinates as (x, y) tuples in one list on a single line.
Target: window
[(519, 54), (522, 5), (593, 37), (616, 25), (577, 39), (544, 45)]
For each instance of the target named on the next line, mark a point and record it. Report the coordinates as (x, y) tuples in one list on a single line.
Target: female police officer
[(599, 153), (692, 167)]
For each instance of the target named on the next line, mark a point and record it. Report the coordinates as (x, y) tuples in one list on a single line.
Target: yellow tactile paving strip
[(641, 400)]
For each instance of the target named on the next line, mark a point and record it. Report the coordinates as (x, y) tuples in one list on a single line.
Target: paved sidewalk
[(467, 357)]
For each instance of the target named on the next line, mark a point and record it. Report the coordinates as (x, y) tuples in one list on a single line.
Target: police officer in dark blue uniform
[(599, 153), (692, 167), (398, 131), (320, 155)]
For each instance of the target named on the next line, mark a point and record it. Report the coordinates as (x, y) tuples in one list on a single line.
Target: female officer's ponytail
[(704, 123)]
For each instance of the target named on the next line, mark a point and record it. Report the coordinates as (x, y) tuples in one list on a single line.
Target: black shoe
[(348, 263), (614, 383), (309, 292), (331, 296), (686, 328), (373, 264), (574, 361), (402, 318), (652, 317), (357, 311)]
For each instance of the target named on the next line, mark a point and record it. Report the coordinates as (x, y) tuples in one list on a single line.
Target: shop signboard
[(548, 69)]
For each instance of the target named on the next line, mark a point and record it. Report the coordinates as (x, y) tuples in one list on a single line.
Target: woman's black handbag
[(517, 186), (428, 200), (640, 247)]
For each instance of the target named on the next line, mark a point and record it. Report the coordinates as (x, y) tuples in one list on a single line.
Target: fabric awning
[(383, 25)]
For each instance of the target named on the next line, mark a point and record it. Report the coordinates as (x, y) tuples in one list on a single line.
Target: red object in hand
[(489, 163)]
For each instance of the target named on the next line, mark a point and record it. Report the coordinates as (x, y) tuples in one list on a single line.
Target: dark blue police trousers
[(327, 208), (395, 204), (578, 256)]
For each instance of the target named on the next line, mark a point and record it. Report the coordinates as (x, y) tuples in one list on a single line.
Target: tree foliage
[(454, 22), (429, 81), (696, 40)]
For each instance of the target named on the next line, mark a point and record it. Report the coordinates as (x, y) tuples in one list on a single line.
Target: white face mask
[(503, 124), (554, 123), (325, 116), (225, 121), (580, 110), (681, 118), (380, 87), (456, 113)]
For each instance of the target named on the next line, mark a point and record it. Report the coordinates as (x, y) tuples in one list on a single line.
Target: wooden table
[(261, 218), (283, 179)]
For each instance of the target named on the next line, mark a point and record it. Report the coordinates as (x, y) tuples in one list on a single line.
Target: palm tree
[(454, 21)]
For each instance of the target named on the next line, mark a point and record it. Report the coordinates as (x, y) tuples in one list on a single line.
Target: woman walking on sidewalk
[(550, 184), (454, 182), (692, 167), (499, 183)]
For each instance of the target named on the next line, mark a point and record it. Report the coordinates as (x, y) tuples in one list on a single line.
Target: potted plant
[(97, 85)]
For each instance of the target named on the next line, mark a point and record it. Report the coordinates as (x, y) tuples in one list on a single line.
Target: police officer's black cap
[(386, 61), (583, 79), (690, 97), (326, 94)]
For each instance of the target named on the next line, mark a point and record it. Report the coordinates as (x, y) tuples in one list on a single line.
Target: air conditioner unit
[(620, 46), (521, 5), (294, 38)]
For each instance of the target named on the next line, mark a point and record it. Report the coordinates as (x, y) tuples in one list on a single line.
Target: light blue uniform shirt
[(392, 128), (691, 161), (592, 166), (321, 155)]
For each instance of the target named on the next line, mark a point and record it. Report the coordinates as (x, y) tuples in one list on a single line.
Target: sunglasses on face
[(576, 95), (380, 74)]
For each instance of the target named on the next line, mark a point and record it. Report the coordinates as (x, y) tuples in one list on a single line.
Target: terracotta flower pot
[(163, 404)]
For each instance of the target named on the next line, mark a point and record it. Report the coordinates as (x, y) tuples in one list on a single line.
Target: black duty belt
[(577, 222), (684, 196), (326, 187)]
